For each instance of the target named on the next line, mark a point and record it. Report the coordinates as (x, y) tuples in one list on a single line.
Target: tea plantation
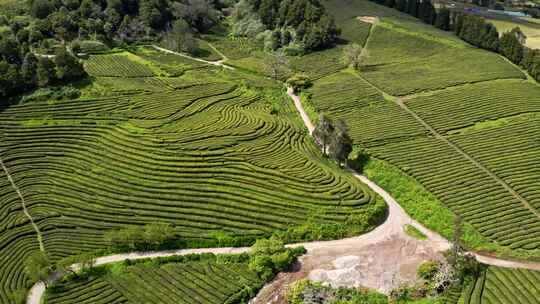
[(202, 152)]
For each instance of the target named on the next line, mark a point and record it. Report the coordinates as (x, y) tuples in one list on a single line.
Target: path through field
[(23, 202)]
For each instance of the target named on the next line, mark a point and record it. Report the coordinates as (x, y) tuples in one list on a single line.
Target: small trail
[(303, 114), (216, 63), (224, 58), (25, 210), (480, 166)]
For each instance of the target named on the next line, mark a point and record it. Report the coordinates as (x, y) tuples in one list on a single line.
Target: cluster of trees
[(295, 25), (50, 26), (333, 138), (269, 256), (126, 20), (20, 73), (151, 236), (478, 32), (475, 30), (421, 9), (40, 268)]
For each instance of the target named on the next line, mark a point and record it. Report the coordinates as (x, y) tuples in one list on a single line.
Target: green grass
[(414, 232), (419, 203), (174, 65)]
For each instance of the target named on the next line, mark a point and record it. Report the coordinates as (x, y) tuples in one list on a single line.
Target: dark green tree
[(10, 80), (412, 7), (510, 45), (29, 69), (458, 24), (390, 3), (401, 5), (45, 71), (154, 13), (442, 21), (268, 12), (341, 143), (41, 8), (323, 132), (67, 67), (490, 37)]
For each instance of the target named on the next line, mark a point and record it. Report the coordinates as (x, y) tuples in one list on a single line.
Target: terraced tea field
[(117, 65), (418, 62), (502, 285), (346, 96), (186, 283), (204, 155)]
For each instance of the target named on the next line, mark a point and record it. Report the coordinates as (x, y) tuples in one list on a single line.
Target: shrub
[(299, 82), (427, 270)]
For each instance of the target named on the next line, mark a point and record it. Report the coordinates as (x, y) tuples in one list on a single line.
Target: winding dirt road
[(381, 259)]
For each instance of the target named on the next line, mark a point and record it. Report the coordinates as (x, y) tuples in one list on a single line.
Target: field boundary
[(25, 210)]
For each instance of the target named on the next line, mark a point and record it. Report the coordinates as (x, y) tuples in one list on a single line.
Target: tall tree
[(341, 143), (156, 234), (442, 21), (67, 66), (412, 7), (41, 8), (401, 5), (180, 38), (323, 132), (511, 46), (354, 55), (45, 72), (490, 37), (277, 66)]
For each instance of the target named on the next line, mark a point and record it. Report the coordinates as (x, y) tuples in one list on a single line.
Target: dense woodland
[(475, 30)]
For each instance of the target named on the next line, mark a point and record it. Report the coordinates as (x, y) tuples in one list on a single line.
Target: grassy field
[(202, 152)]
